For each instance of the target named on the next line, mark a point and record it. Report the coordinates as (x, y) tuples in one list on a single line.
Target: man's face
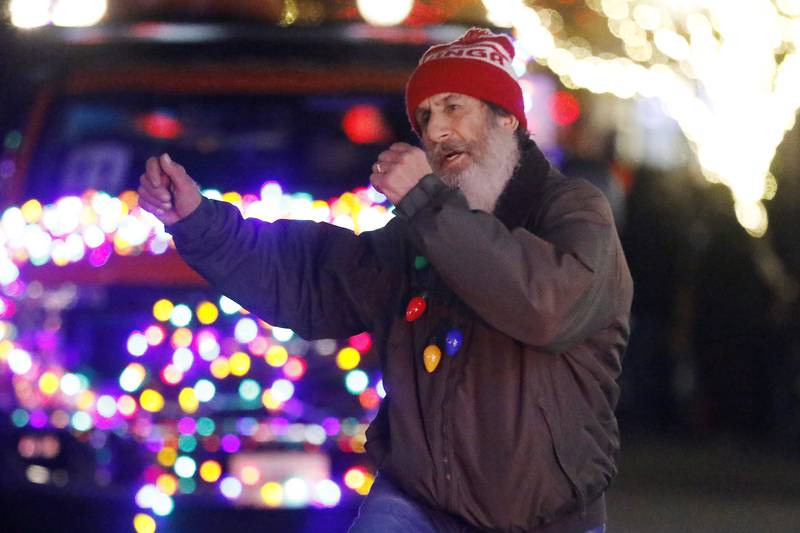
[(453, 128), (468, 145)]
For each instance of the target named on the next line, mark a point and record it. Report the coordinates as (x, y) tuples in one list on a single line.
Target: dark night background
[(710, 401)]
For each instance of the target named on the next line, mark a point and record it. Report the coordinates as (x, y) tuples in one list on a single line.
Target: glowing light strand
[(95, 225), (727, 72), (74, 228)]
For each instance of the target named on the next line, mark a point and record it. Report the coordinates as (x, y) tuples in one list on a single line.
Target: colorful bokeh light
[(181, 379)]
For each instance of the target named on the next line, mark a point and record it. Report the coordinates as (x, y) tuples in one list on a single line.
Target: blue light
[(228, 306), (230, 487), (185, 466), (181, 316), (137, 344), (356, 381), (163, 504), (249, 390), (246, 330)]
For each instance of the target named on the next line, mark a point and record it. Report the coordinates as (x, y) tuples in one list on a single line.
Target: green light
[(349, 426), (229, 425), (81, 421), (20, 418), (83, 379), (13, 140), (356, 381), (187, 443), (187, 485), (249, 390), (205, 426)]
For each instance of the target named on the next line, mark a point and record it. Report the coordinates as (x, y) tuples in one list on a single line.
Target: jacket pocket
[(566, 469)]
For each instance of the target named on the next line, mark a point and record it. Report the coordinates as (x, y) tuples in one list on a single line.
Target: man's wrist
[(194, 223), (429, 188)]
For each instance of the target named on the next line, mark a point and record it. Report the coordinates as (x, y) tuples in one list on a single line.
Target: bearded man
[(498, 300)]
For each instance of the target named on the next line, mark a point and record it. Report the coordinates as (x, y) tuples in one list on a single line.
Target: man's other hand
[(167, 191), (398, 169)]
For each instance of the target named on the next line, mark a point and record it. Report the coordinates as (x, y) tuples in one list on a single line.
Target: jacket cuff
[(194, 224), (430, 188)]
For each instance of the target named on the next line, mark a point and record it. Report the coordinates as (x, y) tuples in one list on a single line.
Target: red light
[(361, 342), (295, 368), (151, 473), (126, 405), (155, 335), (344, 444), (564, 108), (171, 375), (160, 125), (425, 14), (369, 399), (364, 124), (211, 443)]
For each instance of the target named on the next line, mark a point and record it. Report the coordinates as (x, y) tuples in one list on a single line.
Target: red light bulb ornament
[(415, 308)]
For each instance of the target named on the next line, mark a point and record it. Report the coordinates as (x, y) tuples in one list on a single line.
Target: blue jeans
[(387, 509)]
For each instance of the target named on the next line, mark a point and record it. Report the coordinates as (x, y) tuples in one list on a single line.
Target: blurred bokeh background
[(134, 398)]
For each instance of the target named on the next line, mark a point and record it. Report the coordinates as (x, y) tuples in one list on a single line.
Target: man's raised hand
[(398, 169), (167, 191)]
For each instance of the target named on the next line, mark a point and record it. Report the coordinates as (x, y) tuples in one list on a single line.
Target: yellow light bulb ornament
[(431, 357)]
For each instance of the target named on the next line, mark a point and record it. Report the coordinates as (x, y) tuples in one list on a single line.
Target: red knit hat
[(477, 64)]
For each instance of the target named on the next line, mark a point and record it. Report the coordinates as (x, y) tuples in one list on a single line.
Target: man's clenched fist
[(398, 169), (167, 191)]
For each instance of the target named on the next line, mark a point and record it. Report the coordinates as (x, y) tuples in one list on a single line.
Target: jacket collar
[(519, 196)]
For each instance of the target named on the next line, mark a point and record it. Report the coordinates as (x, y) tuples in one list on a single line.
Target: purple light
[(280, 426), (38, 419), (104, 423), (187, 425), (7, 308), (293, 407), (46, 340), (155, 444), (15, 288), (230, 443), (99, 256), (331, 426)]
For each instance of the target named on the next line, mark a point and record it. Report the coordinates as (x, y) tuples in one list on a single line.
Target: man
[(498, 299)]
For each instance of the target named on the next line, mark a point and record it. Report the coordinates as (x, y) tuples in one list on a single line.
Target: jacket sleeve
[(317, 279), (549, 289)]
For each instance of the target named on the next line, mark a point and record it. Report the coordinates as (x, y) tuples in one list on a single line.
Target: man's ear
[(509, 121)]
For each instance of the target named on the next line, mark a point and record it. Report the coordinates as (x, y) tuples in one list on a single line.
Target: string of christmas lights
[(727, 72), (203, 381)]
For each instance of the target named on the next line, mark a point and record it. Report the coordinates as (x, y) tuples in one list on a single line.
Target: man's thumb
[(175, 171)]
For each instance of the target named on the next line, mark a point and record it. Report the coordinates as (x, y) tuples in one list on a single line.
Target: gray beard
[(484, 180)]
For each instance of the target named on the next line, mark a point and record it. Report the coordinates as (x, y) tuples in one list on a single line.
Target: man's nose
[(438, 128)]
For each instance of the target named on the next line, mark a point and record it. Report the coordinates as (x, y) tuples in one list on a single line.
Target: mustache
[(441, 150)]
